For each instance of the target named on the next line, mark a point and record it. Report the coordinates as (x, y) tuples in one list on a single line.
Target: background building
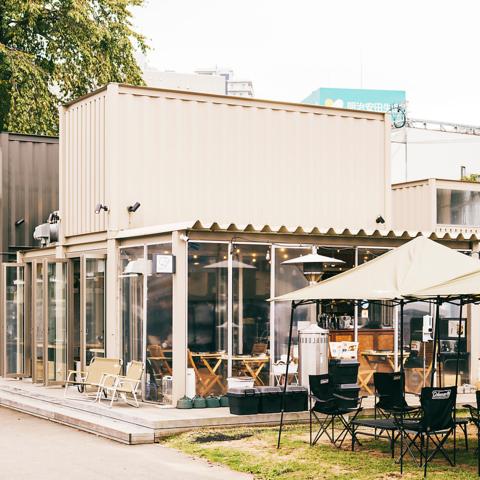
[(420, 148)]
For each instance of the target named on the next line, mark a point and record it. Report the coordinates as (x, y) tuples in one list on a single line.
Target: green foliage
[(474, 177), (52, 51)]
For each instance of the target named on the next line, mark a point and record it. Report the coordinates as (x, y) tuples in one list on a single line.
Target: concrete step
[(121, 431)]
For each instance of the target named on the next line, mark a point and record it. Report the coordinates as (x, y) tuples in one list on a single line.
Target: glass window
[(132, 268), (376, 336), (207, 315), (338, 316), (14, 320), (418, 354), (39, 324), (57, 321), (289, 278), (159, 330), (458, 207), (94, 308), (251, 312)]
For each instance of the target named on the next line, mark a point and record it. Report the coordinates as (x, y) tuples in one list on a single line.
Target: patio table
[(212, 362), (374, 359), (253, 365)]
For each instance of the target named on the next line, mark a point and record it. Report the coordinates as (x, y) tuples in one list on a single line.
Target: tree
[(52, 51)]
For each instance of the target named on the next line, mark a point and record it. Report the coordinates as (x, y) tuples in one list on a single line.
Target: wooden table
[(374, 359), (164, 361), (212, 362), (253, 365)]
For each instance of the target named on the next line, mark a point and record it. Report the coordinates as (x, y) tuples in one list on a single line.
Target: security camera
[(134, 207), (380, 219), (100, 207)]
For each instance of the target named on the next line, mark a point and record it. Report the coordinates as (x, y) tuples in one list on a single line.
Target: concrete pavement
[(33, 448)]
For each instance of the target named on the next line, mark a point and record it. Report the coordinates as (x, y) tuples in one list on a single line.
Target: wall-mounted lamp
[(100, 207), (134, 207), (380, 219), (19, 222)]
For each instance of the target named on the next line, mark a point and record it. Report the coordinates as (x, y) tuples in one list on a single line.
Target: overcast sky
[(290, 48)]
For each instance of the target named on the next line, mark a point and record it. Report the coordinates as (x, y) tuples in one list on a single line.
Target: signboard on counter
[(163, 263)]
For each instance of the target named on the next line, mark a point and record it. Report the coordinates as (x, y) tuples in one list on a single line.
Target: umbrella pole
[(436, 338), (458, 341), (401, 337), (292, 313)]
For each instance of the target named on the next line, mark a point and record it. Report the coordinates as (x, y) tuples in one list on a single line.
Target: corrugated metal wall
[(29, 184), (185, 156), (413, 206), (83, 165)]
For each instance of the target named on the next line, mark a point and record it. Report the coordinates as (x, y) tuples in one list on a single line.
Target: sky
[(290, 48)]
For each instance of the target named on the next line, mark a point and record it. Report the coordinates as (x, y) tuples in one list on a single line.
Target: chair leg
[(426, 458), (454, 445)]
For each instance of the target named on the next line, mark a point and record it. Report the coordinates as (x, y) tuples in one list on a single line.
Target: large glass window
[(376, 335), (208, 315), (14, 320), (39, 326), (57, 322), (458, 207), (288, 278), (251, 311), (159, 330), (418, 351), (132, 269), (94, 308)]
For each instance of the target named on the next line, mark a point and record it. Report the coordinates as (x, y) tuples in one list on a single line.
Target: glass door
[(14, 320), (38, 329), (56, 322), (93, 283)]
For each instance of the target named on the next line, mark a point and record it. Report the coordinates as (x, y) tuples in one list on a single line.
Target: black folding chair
[(475, 419), (390, 395), (327, 408), (435, 426)]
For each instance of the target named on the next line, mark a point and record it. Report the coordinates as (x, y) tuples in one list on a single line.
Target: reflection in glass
[(14, 320), (458, 207), (75, 321), (207, 315), (132, 267), (94, 308), (376, 336), (57, 321), (159, 330), (287, 279), (39, 324), (251, 312)]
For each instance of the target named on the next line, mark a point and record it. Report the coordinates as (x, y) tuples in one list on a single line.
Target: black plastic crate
[(296, 399), (349, 392), (343, 371), (270, 399), (243, 401)]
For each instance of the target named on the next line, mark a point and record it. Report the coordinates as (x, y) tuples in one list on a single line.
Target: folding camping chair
[(435, 426), (327, 404), (390, 395)]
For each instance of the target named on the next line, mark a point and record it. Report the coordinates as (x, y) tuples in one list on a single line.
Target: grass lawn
[(253, 450)]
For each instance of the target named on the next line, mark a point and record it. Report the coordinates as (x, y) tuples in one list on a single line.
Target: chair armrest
[(313, 397), (76, 372), (106, 376)]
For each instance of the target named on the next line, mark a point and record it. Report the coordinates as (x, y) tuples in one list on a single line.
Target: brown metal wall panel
[(29, 186)]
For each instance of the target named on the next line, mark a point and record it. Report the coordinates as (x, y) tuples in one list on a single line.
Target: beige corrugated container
[(186, 155), (414, 206)]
